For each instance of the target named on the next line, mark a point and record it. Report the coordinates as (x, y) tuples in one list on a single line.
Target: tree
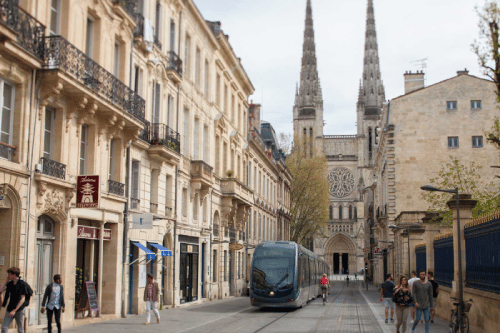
[(309, 194), (285, 142), (468, 180)]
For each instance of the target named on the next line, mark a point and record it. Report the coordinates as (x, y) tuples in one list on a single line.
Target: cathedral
[(350, 157)]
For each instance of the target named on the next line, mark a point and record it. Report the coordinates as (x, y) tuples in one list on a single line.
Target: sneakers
[(158, 320), (412, 321), (392, 320), (386, 321), (432, 321), (147, 323)]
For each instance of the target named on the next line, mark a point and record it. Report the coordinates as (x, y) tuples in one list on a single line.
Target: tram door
[(45, 251)]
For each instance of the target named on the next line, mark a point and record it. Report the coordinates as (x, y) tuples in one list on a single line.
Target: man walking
[(412, 305), (435, 291), (17, 292), (422, 294), (151, 295), (386, 294), (55, 295)]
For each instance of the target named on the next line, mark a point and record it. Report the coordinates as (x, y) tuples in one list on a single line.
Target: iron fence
[(444, 262), (30, 32), (421, 258), (128, 5), (61, 54), (115, 187), (53, 168), (161, 134), (7, 151), (482, 256)]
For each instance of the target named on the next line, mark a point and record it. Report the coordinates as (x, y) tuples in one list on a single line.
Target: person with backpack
[(19, 293), (54, 296), (402, 298)]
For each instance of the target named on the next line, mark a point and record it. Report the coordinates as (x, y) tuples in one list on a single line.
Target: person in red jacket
[(325, 285)]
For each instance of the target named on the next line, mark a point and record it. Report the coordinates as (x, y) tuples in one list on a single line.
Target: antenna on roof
[(422, 63)]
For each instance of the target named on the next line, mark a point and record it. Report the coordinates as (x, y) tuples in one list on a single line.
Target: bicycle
[(323, 295), (455, 320)]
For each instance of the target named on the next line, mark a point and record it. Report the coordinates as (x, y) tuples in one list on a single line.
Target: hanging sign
[(87, 192), (142, 221), (236, 247), (92, 233)]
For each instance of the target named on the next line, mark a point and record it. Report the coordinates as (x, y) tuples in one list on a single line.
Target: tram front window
[(273, 270)]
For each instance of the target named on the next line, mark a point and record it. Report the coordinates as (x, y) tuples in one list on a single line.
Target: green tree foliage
[(309, 194), (468, 180)]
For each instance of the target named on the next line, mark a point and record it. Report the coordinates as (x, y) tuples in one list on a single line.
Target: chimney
[(464, 72), (414, 81)]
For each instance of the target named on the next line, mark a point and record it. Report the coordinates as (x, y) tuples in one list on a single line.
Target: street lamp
[(431, 188)]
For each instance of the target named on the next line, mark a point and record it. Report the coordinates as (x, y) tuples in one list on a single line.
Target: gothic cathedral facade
[(350, 157)]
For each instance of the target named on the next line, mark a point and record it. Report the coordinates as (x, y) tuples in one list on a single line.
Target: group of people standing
[(415, 295)]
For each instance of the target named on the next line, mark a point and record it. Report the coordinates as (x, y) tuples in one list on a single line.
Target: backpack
[(29, 293)]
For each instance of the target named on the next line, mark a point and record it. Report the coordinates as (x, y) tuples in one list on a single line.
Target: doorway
[(188, 273), (345, 263), (336, 263), (45, 254)]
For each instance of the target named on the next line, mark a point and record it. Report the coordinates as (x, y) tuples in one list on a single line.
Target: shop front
[(188, 268)]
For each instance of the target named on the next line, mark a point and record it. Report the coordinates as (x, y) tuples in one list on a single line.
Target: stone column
[(432, 228), (466, 204), (340, 263)]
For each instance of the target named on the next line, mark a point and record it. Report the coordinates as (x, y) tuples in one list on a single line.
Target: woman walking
[(402, 298)]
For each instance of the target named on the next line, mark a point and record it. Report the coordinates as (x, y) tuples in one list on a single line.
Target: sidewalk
[(372, 297)]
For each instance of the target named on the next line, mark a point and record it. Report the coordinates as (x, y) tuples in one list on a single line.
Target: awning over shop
[(163, 250), (150, 254)]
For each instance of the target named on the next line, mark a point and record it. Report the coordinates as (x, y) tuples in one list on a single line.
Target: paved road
[(350, 309)]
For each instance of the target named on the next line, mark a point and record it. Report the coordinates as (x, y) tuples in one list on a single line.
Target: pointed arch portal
[(340, 253)]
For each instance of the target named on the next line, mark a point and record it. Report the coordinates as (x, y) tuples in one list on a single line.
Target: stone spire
[(310, 89), (373, 88)]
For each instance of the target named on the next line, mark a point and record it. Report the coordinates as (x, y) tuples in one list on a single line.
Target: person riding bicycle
[(325, 284)]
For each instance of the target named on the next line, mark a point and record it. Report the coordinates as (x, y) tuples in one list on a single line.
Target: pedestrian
[(410, 283), (435, 292), (54, 296), (325, 286), (151, 295), (347, 279), (17, 291), (386, 294), (403, 299), (356, 276), (422, 295)]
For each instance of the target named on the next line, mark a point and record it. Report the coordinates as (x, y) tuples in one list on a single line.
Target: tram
[(285, 274)]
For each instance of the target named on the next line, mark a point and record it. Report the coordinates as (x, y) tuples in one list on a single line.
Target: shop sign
[(236, 247), (87, 192), (85, 232), (142, 221)]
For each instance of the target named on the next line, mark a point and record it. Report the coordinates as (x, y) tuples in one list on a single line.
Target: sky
[(268, 34)]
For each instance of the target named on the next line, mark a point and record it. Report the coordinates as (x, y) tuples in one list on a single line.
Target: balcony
[(234, 189), (23, 29), (116, 188), (62, 55), (164, 142), (201, 174), (128, 5), (53, 168), (174, 68), (7, 151)]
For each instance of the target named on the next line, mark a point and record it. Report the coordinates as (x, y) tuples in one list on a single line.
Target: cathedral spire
[(310, 90), (373, 89)]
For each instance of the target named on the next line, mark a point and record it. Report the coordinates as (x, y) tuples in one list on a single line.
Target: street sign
[(142, 221), (87, 192), (236, 246)]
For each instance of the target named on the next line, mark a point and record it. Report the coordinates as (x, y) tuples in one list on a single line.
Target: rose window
[(341, 182)]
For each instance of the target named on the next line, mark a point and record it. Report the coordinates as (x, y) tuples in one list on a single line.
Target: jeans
[(418, 316), (19, 320), (151, 306), (57, 315), (402, 315)]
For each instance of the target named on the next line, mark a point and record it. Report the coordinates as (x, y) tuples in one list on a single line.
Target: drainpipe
[(175, 236), (211, 241)]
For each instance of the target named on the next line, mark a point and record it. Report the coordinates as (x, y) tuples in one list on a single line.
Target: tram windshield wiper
[(280, 281)]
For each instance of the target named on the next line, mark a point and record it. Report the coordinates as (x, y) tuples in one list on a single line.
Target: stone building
[(421, 130), (350, 157)]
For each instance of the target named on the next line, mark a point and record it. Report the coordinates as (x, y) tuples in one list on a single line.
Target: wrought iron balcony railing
[(115, 187), (53, 168), (161, 134), (7, 151), (30, 31), (128, 5), (139, 25), (174, 63), (144, 134), (216, 230), (61, 54)]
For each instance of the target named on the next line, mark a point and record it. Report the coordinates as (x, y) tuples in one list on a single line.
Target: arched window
[(355, 212), (331, 212), (370, 141), (350, 212), (340, 212)]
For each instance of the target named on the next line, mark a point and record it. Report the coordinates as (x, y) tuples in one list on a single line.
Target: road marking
[(209, 322), (385, 328)]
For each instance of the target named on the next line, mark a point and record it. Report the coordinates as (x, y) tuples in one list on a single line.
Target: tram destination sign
[(87, 192)]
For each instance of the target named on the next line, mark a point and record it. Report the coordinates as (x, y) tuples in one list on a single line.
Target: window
[(158, 24), (89, 51), (172, 35), (196, 139), (340, 212), (7, 118), (197, 67), (116, 68), (217, 91), (156, 103), (186, 55), (111, 158), (195, 206), (184, 202), (185, 132), (214, 266), (137, 80), (48, 133), (225, 101), (453, 142), (255, 231), (350, 212), (207, 78), (477, 142), (84, 140), (451, 105), (331, 212), (206, 155), (170, 115), (55, 17), (135, 184), (233, 118), (225, 265), (475, 105), (249, 224)]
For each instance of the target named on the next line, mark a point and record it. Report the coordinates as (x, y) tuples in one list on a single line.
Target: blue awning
[(150, 254), (163, 250)]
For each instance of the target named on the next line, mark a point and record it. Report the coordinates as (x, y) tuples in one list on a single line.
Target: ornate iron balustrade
[(61, 54), (128, 5), (174, 62), (7, 151), (30, 31), (115, 187), (161, 134), (53, 168), (216, 230), (139, 25), (443, 261), (144, 134)]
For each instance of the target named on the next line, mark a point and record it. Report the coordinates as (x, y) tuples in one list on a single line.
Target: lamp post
[(431, 188)]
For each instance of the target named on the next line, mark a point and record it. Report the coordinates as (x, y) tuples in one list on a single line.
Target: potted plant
[(229, 173)]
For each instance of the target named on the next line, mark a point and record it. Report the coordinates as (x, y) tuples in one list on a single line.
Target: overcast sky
[(267, 35)]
